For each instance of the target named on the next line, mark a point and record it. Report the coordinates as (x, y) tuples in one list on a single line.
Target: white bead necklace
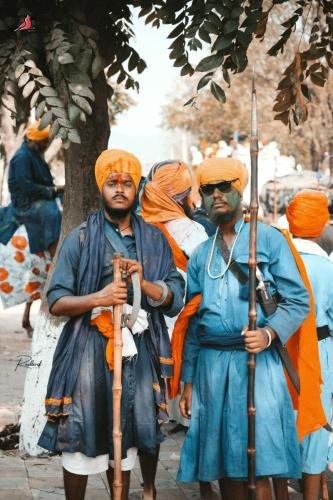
[(230, 257)]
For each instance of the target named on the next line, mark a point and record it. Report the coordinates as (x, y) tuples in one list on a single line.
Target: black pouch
[(267, 301)]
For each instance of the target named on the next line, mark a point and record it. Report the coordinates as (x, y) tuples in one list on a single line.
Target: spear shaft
[(251, 362)]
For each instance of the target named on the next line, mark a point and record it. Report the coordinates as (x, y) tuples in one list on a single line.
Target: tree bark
[(81, 198)]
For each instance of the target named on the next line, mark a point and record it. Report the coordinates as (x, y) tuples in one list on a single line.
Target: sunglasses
[(223, 187)]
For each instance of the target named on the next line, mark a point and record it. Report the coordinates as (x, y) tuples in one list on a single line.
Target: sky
[(139, 129)]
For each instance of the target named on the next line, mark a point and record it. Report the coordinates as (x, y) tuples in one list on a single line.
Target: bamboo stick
[(116, 386), (251, 362)]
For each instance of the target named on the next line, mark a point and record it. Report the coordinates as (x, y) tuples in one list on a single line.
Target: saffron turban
[(34, 134), (307, 213), (157, 202), (116, 161), (215, 170)]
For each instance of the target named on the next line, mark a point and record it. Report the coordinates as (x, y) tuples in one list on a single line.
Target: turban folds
[(214, 170), (307, 213), (157, 203), (34, 134), (116, 161)]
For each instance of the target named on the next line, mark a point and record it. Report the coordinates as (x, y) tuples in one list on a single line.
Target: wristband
[(161, 300), (269, 336)]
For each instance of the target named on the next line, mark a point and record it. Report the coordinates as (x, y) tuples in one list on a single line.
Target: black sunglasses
[(223, 187)]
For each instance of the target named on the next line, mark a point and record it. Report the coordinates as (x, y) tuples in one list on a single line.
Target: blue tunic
[(215, 445), (315, 450), (33, 203)]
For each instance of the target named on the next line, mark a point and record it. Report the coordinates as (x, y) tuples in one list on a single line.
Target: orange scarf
[(104, 323), (302, 349)]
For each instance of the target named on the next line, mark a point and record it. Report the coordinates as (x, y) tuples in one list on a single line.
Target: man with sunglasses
[(214, 367)]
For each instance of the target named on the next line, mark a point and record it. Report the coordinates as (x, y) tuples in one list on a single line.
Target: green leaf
[(19, 70), (35, 72), (45, 120), (59, 112), (30, 63), (73, 136), (55, 101), (318, 79), (222, 42), (62, 133), (48, 92), (54, 129), (64, 122), (180, 61), (177, 31), (82, 103), (23, 80), (133, 61), (28, 89), (190, 101), (141, 66), (81, 90), (42, 80), (204, 35), (217, 92), (204, 80), (187, 70), (210, 62), (40, 109), (73, 112), (66, 58), (231, 26), (34, 99)]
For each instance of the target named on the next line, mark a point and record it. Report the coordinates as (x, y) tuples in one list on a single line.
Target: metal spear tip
[(253, 81)]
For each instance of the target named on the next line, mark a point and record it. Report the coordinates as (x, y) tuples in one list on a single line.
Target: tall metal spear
[(251, 362)]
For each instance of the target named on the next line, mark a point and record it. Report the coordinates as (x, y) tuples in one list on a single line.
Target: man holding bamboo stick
[(79, 396), (215, 354)]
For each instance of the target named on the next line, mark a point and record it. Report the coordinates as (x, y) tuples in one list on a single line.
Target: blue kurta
[(315, 450), (33, 203), (215, 445)]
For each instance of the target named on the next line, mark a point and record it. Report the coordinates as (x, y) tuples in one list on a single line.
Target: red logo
[(26, 25)]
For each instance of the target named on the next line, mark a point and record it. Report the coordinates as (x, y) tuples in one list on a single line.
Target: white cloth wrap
[(140, 325), (78, 463)]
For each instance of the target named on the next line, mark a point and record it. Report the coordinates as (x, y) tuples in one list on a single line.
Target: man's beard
[(187, 209), (218, 218), (116, 213)]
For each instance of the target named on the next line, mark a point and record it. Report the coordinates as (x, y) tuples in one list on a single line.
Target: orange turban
[(34, 134), (157, 203), (307, 213), (215, 170), (116, 161)]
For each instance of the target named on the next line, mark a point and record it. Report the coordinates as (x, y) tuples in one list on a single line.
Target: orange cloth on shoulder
[(34, 134), (307, 213), (116, 161), (104, 323), (303, 351), (157, 203)]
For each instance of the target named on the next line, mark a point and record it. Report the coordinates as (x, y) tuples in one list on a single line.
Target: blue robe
[(33, 201), (215, 445), (315, 450), (88, 426)]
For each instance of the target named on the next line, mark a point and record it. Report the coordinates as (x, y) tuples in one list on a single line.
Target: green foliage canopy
[(53, 67)]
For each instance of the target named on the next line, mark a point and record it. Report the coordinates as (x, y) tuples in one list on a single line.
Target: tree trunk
[(81, 197)]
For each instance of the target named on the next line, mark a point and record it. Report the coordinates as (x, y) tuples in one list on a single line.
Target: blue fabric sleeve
[(191, 352), (64, 277), (294, 305), (21, 165)]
